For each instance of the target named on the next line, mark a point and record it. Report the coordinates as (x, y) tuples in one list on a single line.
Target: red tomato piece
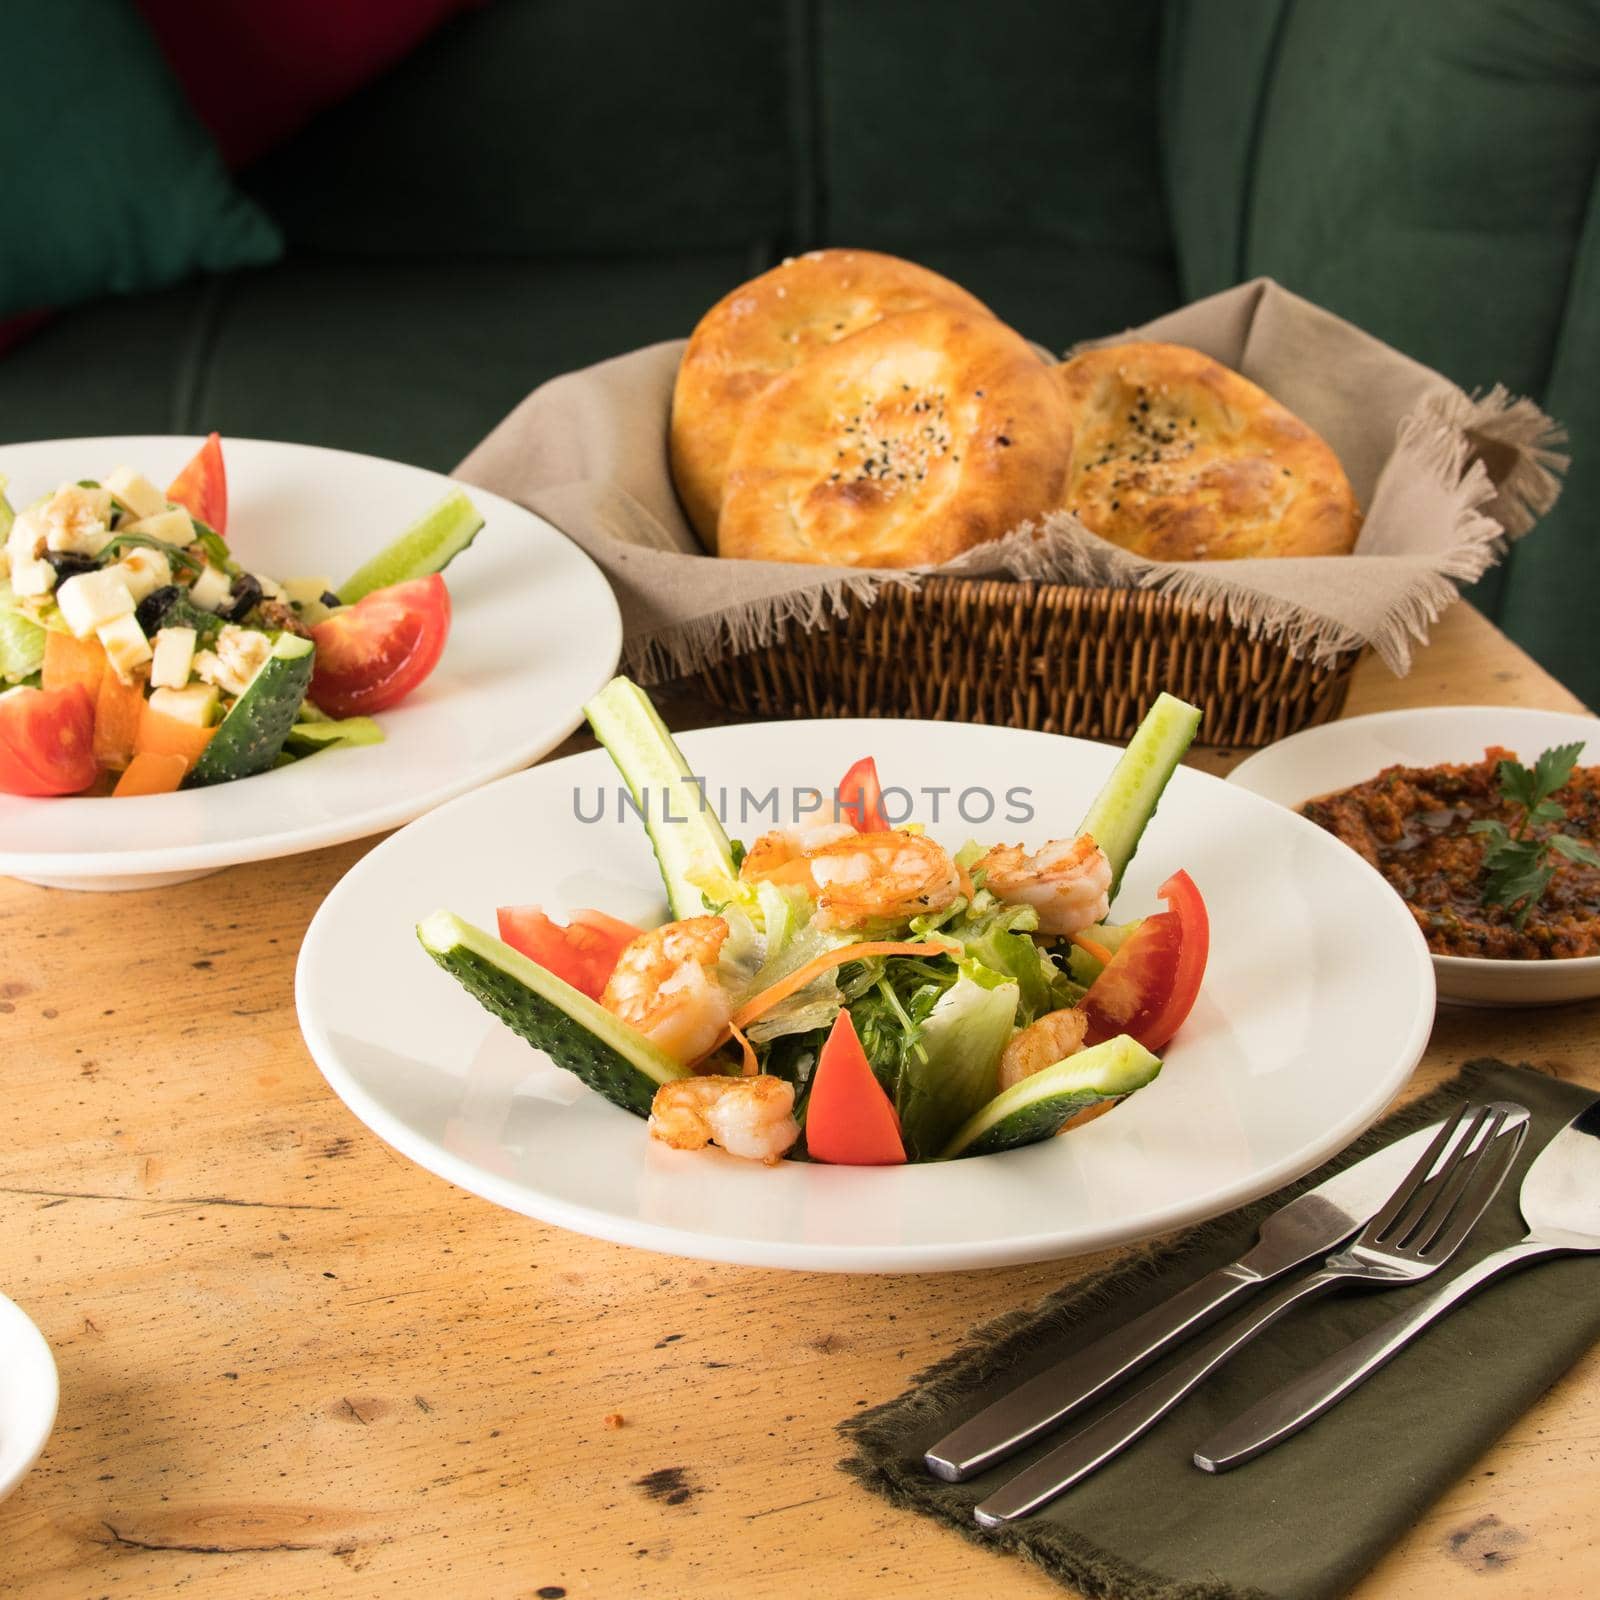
[(1150, 984), (583, 953), (202, 487), (47, 741), (371, 655), (849, 1120), (861, 798)]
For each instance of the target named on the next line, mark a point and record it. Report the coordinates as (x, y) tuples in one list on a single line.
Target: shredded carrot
[(752, 1067), (1088, 945), (762, 1003)]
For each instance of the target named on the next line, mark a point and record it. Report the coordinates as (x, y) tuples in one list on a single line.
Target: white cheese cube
[(306, 591), (174, 655), (93, 598), (31, 576), (173, 527), (137, 493), (195, 704), (143, 570), (270, 588), (77, 520), (30, 573), (125, 645), (211, 588)]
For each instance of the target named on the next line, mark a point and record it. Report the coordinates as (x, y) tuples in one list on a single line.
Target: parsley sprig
[(1518, 861)]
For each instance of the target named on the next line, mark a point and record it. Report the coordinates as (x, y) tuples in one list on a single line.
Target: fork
[(1419, 1229)]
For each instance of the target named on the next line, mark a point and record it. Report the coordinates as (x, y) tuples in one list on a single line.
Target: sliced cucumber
[(1037, 1107), (692, 851), (429, 545), (1126, 804), (574, 1031), (250, 737)]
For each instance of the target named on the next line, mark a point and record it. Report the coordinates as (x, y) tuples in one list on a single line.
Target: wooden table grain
[(292, 1363)]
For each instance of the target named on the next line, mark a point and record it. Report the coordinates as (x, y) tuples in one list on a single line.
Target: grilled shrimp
[(665, 985), (1041, 1044), (861, 880), (1068, 881), (748, 1117), (781, 854)]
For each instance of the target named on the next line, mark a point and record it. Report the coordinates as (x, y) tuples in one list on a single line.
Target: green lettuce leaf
[(998, 937), (953, 1070), (21, 647), (306, 737)]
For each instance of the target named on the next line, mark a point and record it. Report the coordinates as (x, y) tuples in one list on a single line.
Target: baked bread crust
[(904, 445), (1178, 458), (762, 329)]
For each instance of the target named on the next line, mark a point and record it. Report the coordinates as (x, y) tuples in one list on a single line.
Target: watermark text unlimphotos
[(742, 808)]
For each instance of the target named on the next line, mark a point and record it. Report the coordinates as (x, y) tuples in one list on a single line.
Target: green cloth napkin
[(1305, 1520)]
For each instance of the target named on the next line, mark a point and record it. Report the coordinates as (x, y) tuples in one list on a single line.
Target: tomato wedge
[(371, 655), (583, 953), (849, 1120), (47, 741), (1150, 984), (202, 487), (861, 798)]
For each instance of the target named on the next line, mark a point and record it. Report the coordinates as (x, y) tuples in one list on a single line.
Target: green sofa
[(543, 184)]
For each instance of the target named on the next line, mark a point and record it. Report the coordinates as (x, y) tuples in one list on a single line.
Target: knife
[(1304, 1229)]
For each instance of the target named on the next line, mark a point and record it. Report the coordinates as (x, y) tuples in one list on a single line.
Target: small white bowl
[(29, 1390), (1339, 754)]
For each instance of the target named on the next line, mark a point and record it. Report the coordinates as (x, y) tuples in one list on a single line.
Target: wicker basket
[(1033, 655)]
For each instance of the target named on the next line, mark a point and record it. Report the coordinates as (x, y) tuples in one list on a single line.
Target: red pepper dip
[(1411, 824)]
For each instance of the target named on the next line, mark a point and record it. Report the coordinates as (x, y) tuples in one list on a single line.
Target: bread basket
[(1051, 656)]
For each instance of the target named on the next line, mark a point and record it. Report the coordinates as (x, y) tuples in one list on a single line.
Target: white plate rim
[(808, 1256), (33, 1372), (378, 818)]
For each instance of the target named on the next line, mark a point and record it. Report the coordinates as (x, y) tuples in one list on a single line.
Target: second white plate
[(1338, 754)]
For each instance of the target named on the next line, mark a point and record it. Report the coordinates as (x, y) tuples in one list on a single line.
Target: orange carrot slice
[(117, 709), (68, 660), (151, 772), (160, 735)]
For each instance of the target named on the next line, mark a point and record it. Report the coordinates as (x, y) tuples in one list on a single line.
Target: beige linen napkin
[(1446, 479)]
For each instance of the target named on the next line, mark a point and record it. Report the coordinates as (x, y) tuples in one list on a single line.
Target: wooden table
[(292, 1363)]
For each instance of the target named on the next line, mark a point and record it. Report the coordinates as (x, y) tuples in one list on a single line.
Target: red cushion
[(257, 72)]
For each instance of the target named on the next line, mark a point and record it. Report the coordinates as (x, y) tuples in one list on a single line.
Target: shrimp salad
[(852, 992)]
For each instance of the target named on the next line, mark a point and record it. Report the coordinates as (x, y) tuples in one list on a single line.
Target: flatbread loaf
[(765, 327), (1178, 458), (905, 444)]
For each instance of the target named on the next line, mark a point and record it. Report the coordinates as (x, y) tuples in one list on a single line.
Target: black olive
[(245, 597), (153, 608), (330, 599), (69, 563)]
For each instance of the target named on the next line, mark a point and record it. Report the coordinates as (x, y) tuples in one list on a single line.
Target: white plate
[(28, 1394), (1316, 1006), (535, 632), (1339, 754)]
